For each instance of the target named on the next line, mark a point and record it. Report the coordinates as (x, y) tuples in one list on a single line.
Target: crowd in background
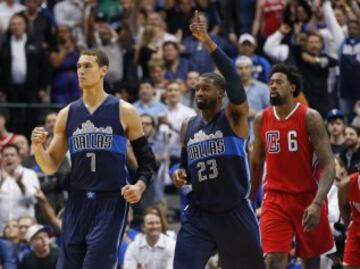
[(154, 64)]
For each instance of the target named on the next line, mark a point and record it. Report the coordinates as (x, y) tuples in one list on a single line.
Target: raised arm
[(51, 158), (237, 109), (321, 144), (257, 159), (145, 158)]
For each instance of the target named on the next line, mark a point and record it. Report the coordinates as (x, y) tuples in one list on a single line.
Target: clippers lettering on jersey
[(203, 145), (91, 137), (272, 141)]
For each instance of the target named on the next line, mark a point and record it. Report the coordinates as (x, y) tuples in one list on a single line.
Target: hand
[(311, 217), (308, 58), (199, 28), (285, 29), (233, 38), (133, 193), (40, 196), (179, 178), (38, 137)]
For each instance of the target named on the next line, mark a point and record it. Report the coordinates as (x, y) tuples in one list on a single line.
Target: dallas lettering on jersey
[(91, 137), (205, 145)]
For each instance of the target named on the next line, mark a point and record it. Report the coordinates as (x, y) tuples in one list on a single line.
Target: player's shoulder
[(312, 117), (126, 107)]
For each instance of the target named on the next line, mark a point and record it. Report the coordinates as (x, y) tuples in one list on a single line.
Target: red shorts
[(281, 220), (352, 246)]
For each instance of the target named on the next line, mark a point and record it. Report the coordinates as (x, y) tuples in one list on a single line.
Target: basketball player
[(219, 216), (287, 136), (349, 194), (95, 129)]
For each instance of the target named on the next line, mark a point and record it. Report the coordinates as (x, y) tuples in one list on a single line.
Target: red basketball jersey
[(354, 197), (290, 163)]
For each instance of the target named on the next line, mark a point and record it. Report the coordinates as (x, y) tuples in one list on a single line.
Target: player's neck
[(284, 110), (92, 97), (208, 114)]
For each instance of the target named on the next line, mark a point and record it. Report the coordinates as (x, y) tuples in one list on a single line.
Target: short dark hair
[(216, 79), (10, 146), (101, 58), (173, 43), (292, 74), (356, 128), (150, 117)]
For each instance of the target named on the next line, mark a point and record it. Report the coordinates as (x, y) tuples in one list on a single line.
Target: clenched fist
[(179, 178), (132, 193), (38, 136)]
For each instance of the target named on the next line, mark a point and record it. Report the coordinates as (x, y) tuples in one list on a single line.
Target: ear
[(221, 93), (104, 71)]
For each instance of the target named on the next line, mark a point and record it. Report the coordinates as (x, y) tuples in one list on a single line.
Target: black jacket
[(37, 71)]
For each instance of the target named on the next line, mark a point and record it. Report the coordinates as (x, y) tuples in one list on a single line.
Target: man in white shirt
[(176, 114), (151, 250), (17, 187)]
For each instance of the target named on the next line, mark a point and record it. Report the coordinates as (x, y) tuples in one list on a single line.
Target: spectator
[(7, 9), (6, 137), (155, 20), (24, 223), (268, 17), (192, 78), (314, 66), (23, 144), (257, 93), (176, 66), (48, 212), (261, 66), (212, 12), (157, 77), (52, 185), (350, 68), (70, 13), (147, 49), (356, 120), (147, 103), (23, 73), (336, 126), (351, 155), (176, 114), (39, 27), (178, 18), (151, 250), (42, 254), (107, 40), (158, 141), (50, 120), (17, 187), (7, 255), (12, 232), (161, 212), (63, 56)]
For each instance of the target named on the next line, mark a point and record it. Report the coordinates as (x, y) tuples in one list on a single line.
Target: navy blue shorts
[(233, 234), (92, 228)]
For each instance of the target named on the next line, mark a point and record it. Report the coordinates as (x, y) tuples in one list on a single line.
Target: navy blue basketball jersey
[(97, 145), (217, 163)]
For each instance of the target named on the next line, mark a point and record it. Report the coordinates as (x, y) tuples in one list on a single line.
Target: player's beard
[(206, 104), (276, 100)]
